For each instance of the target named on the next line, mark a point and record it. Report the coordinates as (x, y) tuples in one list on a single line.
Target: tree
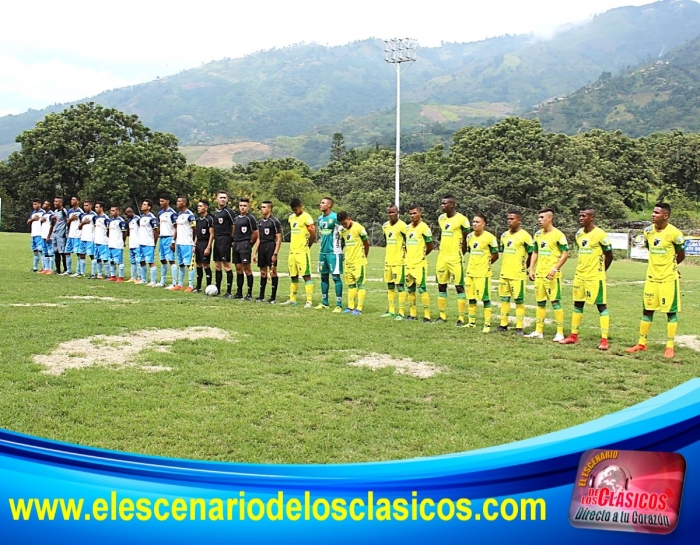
[(338, 147)]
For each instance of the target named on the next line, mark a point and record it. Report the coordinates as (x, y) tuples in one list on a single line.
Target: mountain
[(305, 88), (661, 95)]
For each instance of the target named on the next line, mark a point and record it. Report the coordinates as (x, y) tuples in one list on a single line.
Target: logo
[(411, 235), (657, 242), (391, 234), (476, 245), (628, 491), (244, 229), (267, 230), (447, 226), (510, 243), (543, 244), (204, 231), (294, 224), (221, 220), (584, 242)]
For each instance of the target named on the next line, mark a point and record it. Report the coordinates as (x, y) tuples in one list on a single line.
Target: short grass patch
[(282, 385)]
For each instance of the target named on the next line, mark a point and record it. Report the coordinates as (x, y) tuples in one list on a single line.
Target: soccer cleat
[(248, 298), (460, 323), (139, 282), (486, 329), (189, 289), (356, 313), (337, 310), (130, 281), (259, 300), (500, 329), (534, 335), (399, 317), (571, 339), (65, 273), (558, 338), (411, 319), (387, 315), (48, 272), (75, 275), (321, 306), (288, 303), (34, 270), (348, 311), (238, 296), (636, 348), (81, 275), (158, 285), (308, 304), (197, 290), (519, 331), (603, 344), (173, 287), (271, 301), (228, 296), (439, 321), (669, 352), (113, 279), (427, 321), (100, 277), (92, 277), (119, 280)]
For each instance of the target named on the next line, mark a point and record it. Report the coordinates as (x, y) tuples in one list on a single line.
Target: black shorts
[(222, 248), (265, 252), (199, 256), (242, 252)]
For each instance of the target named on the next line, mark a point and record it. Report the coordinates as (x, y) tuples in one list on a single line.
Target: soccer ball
[(211, 290)]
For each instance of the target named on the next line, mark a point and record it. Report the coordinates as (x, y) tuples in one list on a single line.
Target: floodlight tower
[(397, 51)]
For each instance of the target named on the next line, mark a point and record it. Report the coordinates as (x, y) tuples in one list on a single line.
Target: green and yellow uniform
[(417, 238), (549, 247), (395, 256), (515, 249), (355, 263), (589, 279), (449, 261), (300, 254), (662, 286), (480, 249)]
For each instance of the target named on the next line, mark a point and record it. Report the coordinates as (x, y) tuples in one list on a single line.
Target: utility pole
[(397, 51)]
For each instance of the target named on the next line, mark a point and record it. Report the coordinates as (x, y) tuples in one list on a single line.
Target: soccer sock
[(604, 323), (644, 327), (263, 285), (519, 315), (442, 304), (576, 319), (181, 276), (121, 270), (36, 262), (472, 311), (487, 313), (207, 273), (229, 281), (58, 265), (142, 269), (325, 286), (275, 282), (64, 260), (671, 328), (309, 289), (250, 279), (93, 267), (361, 292), (402, 300), (461, 305), (200, 275), (69, 263), (505, 310), (154, 272), (412, 310), (338, 290), (174, 272), (239, 283), (391, 297), (293, 288), (425, 301), (559, 317), (352, 293), (540, 315), (163, 272), (43, 263), (81, 265), (219, 278), (114, 269), (190, 279)]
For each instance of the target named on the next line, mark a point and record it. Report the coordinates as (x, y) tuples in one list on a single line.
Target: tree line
[(101, 153)]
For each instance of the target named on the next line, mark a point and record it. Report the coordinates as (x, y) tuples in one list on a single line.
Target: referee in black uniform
[(203, 241), (266, 250), (245, 234), (223, 236)]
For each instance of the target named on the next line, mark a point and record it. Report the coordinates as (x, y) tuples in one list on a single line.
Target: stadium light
[(397, 51)]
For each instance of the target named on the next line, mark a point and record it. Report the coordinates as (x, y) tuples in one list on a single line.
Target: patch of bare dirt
[(418, 369)]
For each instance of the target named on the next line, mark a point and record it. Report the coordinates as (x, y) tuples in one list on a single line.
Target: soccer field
[(183, 375)]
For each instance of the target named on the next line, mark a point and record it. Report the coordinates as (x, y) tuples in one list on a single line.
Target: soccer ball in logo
[(584, 243), (211, 290), (476, 245), (543, 244), (510, 243), (657, 242)]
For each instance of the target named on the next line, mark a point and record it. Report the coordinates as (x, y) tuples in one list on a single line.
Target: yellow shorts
[(508, 287), (662, 296), (478, 288), (395, 274), (416, 276), (592, 291), (354, 274), (300, 264), (547, 290), (449, 269)]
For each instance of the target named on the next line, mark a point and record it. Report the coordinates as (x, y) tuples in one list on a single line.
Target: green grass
[(284, 392)]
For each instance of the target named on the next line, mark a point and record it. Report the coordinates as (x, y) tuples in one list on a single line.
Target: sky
[(60, 51)]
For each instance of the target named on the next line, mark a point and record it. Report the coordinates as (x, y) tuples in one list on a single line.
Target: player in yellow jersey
[(516, 246), (594, 257), (419, 243), (356, 246), (303, 229), (394, 262), (483, 252), (453, 244), (662, 290), (551, 252)]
